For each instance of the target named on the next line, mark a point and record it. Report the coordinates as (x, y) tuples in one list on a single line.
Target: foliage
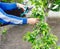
[(4, 32), (20, 1), (40, 37)]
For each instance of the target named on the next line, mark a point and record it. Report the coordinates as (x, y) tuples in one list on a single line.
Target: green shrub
[(20, 1), (41, 36)]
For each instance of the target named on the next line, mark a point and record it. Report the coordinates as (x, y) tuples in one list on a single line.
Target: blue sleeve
[(6, 19), (8, 6)]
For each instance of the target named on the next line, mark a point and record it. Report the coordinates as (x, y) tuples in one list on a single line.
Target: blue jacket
[(7, 19)]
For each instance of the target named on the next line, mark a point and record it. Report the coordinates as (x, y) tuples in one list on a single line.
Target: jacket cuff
[(24, 20)]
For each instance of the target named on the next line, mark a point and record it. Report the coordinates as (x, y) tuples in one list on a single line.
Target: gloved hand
[(20, 6), (24, 9), (23, 6)]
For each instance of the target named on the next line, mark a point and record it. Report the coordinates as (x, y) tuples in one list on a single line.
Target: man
[(7, 19)]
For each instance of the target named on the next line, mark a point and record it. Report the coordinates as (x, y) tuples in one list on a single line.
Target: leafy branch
[(40, 37)]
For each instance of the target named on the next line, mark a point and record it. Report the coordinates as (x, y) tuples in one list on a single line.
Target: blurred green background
[(20, 1)]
